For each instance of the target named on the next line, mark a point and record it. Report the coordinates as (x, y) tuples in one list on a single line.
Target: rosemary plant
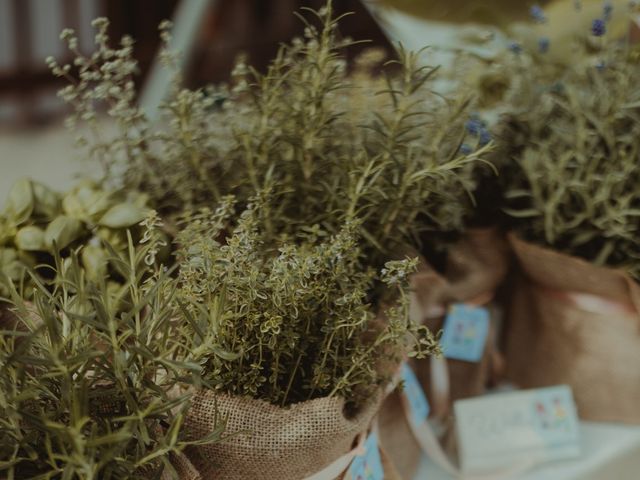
[(573, 182), (328, 145), (87, 388), (294, 323)]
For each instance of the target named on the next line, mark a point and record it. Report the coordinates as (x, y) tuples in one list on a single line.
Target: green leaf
[(7, 230), (123, 215), (62, 231), (528, 213), (94, 261), (30, 238), (86, 202), (47, 202), (10, 263), (224, 354), (20, 202)]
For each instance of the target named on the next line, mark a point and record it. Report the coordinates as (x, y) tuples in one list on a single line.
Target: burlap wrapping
[(553, 340), (475, 268), (183, 467), (267, 442)]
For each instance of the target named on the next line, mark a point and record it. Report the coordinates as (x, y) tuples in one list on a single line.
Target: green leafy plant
[(326, 144), (571, 176), (38, 223), (294, 322), (90, 390)]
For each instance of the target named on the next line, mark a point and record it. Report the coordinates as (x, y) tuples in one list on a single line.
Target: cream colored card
[(505, 430)]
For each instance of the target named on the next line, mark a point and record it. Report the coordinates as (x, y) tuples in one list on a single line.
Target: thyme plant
[(574, 180), (328, 145), (292, 323), (87, 388)]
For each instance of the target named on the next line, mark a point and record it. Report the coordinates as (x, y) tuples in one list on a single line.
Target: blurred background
[(32, 139), (29, 32)]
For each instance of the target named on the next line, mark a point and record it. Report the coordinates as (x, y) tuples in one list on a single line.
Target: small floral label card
[(465, 332), (523, 427), (415, 396), (368, 465)]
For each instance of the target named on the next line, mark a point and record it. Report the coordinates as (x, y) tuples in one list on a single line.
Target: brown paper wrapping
[(552, 339)]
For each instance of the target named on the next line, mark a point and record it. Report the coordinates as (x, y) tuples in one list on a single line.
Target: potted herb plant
[(571, 187), (293, 353)]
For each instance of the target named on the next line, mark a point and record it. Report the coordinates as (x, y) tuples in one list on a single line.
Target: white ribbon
[(339, 466)]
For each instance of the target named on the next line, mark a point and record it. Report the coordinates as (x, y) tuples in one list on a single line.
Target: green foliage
[(38, 223), (90, 378), (574, 180), (326, 144), (293, 323)]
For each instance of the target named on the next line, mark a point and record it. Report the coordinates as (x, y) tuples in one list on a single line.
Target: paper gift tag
[(368, 466), (413, 392), (465, 332), (503, 430)]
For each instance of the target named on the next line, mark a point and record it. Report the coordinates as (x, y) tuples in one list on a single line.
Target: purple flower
[(466, 149), (598, 27), (543, 44), (515, 47), (485, 137), (474, 126), (601, 65), (537, 14)]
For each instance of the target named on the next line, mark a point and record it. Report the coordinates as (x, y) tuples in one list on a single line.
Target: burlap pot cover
[(183, 467), (266, 442), (554, 338), (476, 266)]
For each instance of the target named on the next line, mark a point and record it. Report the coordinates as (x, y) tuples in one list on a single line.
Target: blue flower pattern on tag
[(417, 400), (465, 332), (369, 465)]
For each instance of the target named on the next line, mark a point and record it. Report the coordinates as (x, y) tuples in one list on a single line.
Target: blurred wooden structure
[(258, 27), (29, 32)]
